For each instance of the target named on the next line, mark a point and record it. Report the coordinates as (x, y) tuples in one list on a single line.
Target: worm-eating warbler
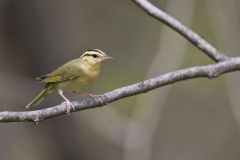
[(71, 76)]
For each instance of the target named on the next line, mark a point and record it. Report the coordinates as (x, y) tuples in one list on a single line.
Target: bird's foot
[(93, 96), (96, 98), (69, 106), (67, 103)]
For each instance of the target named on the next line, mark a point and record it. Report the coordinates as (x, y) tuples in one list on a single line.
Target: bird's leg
[(68, 104)]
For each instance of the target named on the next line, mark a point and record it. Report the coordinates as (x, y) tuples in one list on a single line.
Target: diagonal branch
[(207, 71), (186, 32)]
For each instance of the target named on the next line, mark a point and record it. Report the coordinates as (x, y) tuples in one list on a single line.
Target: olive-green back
[(68, 71)]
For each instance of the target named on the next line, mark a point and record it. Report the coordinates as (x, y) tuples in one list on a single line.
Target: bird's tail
[(39, 98)]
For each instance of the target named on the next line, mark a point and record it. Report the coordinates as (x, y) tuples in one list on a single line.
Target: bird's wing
[(66, 72)]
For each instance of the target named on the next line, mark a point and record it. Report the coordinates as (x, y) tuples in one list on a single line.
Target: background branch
[(208, 71), (186, 32)]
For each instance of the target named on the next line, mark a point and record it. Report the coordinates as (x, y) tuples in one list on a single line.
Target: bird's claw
[(96, 98), (69, 107)]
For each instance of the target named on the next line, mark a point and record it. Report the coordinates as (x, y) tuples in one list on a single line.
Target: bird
[(71, 77)]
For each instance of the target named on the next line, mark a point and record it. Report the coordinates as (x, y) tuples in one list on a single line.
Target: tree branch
[(186, 32), (224, 65), (208, 71)]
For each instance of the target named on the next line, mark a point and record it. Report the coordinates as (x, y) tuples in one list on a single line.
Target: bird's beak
[(106, 57)]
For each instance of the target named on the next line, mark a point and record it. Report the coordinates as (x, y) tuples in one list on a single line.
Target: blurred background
[(197, 119)]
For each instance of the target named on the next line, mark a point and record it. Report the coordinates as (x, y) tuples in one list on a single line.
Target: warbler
[(72, 76)]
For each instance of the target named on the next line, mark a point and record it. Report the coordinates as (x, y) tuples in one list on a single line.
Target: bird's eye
[(95, 56)]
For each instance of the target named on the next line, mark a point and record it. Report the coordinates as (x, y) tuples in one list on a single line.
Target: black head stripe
[(96, 50), (92, 55), (87, 55)]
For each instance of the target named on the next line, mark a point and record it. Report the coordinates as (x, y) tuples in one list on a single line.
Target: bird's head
[(94, 56)]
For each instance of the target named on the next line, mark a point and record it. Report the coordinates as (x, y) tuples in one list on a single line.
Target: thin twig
[(186, 32), (208, 71)]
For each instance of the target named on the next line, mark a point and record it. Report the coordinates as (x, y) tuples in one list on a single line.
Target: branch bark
[(208, 71)]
